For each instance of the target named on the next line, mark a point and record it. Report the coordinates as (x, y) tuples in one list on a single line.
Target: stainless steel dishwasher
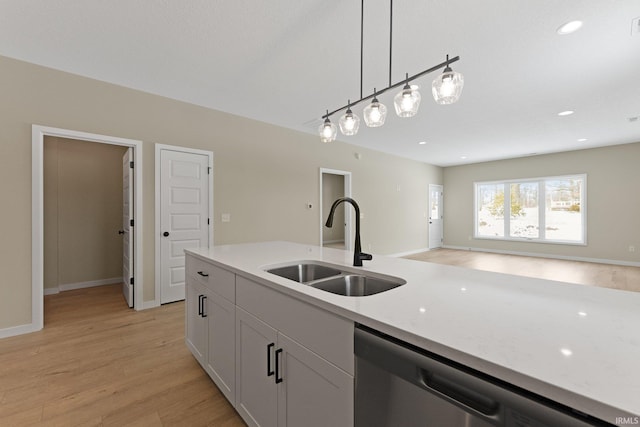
[(400, 385)]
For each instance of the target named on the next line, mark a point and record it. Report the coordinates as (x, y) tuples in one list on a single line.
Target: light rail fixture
[(446, 89)]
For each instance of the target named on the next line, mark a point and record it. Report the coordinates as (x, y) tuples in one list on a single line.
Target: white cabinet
[(256, 398), (280, 382), (210, 322), (313, 392), (195, 323), (278, 360)]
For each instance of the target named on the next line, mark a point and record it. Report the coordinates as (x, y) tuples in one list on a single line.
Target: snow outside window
[(550, 209)]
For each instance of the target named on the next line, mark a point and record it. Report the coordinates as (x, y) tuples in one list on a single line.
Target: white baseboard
[(403, 254), (18, 330), (150, 304), (549, 256), (332, 242), (82, 285)]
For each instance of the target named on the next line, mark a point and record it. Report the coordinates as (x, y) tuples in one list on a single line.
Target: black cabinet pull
[(203, 274), (269, 370), (278, 376), (199, 305), (204, 297)]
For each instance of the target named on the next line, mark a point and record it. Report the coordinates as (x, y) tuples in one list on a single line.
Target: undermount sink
[(355, 285), (336, 279), (304, 272)]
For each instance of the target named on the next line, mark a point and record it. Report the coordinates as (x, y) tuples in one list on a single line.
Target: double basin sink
[(336, 279)]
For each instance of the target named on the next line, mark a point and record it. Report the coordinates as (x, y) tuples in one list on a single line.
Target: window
[(551, 209)]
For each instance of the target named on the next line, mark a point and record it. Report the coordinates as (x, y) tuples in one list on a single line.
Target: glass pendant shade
[(374, 114), (407, 101), (349, 123), (327, 131), (447, 87)]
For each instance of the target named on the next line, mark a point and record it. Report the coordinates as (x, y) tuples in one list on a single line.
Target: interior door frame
[(347, 210), (37, 212), (158, 192), (440, 188)]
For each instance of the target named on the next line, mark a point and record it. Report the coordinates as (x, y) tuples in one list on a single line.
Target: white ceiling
[(285, 61)]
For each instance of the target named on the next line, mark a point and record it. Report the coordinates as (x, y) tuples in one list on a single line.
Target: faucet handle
[(365, 257)]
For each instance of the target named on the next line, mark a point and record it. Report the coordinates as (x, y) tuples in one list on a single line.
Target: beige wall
[(613, 201), (82, 211), (264, 175)]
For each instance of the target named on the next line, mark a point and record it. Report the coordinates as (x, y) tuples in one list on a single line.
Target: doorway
[(436, 216), (37, 283), (184, 208), (335, 184)]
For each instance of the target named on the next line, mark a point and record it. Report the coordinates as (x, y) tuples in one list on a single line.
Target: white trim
[(347, 193), (82, 285), (540, 255), (89, 284), (151, 304), (157, 228), (37, 214), (18, 330), (403, 254)]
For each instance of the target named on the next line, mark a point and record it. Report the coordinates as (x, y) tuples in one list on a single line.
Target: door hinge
[(131, 281), (131, 223), (131, 164), (209, 170), (208, 221)]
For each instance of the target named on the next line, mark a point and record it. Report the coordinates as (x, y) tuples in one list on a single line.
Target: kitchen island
[(575, 345)]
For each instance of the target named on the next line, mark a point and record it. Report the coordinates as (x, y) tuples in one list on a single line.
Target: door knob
[(165, 234), (120, 231)]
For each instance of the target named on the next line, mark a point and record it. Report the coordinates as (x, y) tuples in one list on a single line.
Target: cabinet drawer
[(324, 333), (218, 280)]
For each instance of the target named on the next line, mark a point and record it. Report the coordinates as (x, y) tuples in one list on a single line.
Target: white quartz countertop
[(578, 345)]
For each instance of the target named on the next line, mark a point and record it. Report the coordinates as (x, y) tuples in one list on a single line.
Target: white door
[(435, 216), (127, 231), (184, 216)]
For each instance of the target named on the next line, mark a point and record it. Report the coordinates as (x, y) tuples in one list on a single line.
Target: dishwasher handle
[(460, 394)]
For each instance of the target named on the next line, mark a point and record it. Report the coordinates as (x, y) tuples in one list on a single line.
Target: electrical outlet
[(632, 248)]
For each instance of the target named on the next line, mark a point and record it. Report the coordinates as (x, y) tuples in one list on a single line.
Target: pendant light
[(327, 130), (349, 122), (446, 90), (407, 101), (447, 87), (375, 113)]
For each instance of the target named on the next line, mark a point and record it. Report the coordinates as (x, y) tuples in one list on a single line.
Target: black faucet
[(358, 255)]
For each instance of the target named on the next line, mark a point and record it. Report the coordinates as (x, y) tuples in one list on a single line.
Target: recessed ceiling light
[(463, 157), (565, 113), (582, 139), (569, 27), (422, 142)]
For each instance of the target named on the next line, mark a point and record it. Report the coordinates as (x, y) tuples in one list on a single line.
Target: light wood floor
[(583, 273), (99, 363)]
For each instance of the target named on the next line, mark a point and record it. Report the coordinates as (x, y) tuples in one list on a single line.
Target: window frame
[(541, 209)]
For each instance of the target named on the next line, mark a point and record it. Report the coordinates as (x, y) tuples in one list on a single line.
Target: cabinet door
[(313, 392), (256, 392), (195, 324), (220, 357)]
